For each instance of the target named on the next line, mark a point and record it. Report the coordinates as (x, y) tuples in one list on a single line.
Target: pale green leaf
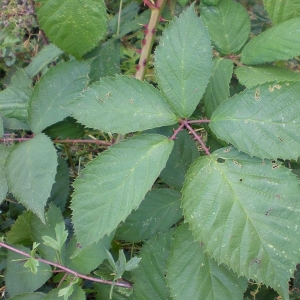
[(115, 183), (283, 10), (75, 26), (32, 264), (14, 99), (122, 105), (228, 25), (4, 152), (276, 43), (262, 121), (247, 217), (158, 212), (77, 293), (15, 124), (183, 62), (149, 278), (29, 296), (192, 274), (132, 264), (89, 258), (21, 280), (47, 54), (217, 89), (252, 76), (57, 88), (60, 237), (182, 156), (37, 169)]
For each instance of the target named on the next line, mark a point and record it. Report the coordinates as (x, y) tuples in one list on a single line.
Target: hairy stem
[(123, 284)]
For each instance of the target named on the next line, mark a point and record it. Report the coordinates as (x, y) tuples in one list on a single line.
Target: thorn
[(143, 42), (137, 67), (150, 3), (144, 62), (161, 19)]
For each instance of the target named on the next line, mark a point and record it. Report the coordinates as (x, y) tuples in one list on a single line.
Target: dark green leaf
[(192, 274), (57, 88), (122, 105), (276, 43), (158, 211), (115, 183), (183, 62), (247, 217), (262, 121), (21, 280), (4, 152), (29, 296), (27, 171), (228, 25), (103, 291), (74, 26)]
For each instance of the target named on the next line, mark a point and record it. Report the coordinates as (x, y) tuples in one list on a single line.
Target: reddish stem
[(176, 131)]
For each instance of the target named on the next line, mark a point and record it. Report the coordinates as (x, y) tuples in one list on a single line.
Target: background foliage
[(149, 149)]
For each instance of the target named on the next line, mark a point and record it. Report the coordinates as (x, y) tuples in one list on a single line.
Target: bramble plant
[(184, 175)]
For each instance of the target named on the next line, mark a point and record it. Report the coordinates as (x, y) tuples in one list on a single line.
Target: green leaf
[(106, 60), (26, 177), (149, 278), (115, 183), (158, 212), (248, 217), (15, 124), (29, 296), (77, 293), (32, 264), (276, 43), (182, 156), (217, 89), (57, 88), (103, 291), (210, 2), (183, 62), (252, 76), (4, 152), (74, 26), (228, 25), (48, 54), (262, 121), (192, 274), (137, 105), (89, 258), (283, 10), (14, 99), (19, 279)]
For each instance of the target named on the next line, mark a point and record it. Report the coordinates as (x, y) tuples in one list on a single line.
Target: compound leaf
[(27, 171), (217, 89), (276, 43), (137, 105), (158, 211), (283, 10), (183, 62), (115, 183), (75, 26), (192, 274), (228, 25), (252, 76), (249, 215), (262, 121), (58, 87)]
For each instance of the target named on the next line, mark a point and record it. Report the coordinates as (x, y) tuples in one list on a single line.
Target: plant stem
[(123, 284)]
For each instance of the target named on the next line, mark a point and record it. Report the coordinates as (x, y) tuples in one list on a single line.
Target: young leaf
[(228, 25), (182, 156), (183, 62), (249, 215), (27, 171), (149, 278), (280, 11), (74, 26), (4, 152), (158, 212), (19, 279), (217, 89), (77, 293), (48, 54), (276, 43), (32, 264), (262, 121), (252, 76), (14, 99), (192, 274), (57, 88), (115, 183), (137, 104)]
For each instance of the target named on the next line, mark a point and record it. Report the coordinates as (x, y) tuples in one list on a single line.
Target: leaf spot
[(275, 167), (246, 121), (227, 150), (108, 95), (220, 160), (100, 100), (256, 94), (280, 139), (235, 162), (241, 180), (268, 211), (275, 86), (131, 101)]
